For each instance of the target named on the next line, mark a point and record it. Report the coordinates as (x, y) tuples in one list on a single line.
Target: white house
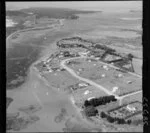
[(103, 75), (90, 98), (120, 75), (129, 82), (130, 108), (82, 84), (86, 92), (105, 67), (83, 53), (115, 89)]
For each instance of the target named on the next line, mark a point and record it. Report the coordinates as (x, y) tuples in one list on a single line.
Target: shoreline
[(9, 43), (53, 26), (70, 96)]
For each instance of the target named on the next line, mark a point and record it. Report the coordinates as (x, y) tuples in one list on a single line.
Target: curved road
[(84, 79), (91, 82)]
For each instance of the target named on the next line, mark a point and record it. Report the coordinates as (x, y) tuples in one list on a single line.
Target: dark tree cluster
[(73, 45), (114, 119), (96, 53), (63, 45), (121, 70), (100, 101), (77, 38), (110, 50), (73, 17), (90, 111), (130, 56), (66, 54)]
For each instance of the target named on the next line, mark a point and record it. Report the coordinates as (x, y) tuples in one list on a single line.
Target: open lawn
[(108, 78), (137, 64), (136, 97), (60, 80)]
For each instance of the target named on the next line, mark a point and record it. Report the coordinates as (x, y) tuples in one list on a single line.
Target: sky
[(107, 6)]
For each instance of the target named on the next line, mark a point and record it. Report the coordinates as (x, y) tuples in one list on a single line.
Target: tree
[(110, 119), (103, 115), (99, 101), (129, 121), (86, 103), (90, 111), (121, 121), (130, 56)]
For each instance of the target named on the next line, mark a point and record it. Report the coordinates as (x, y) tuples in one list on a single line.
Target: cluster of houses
[(79, 86), (127, 110), (63, 54), (120, 115)]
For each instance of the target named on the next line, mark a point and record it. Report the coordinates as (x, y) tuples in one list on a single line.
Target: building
[(103, 75), (115, 89), (129, 82), (120, 75), (90, 98), (131, 108), (83, 84), (127, 111), (86, 92), (105, 67), (83, 53)]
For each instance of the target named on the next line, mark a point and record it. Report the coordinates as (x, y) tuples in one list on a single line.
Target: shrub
[(129, 121), (90, 111), (103, 115)]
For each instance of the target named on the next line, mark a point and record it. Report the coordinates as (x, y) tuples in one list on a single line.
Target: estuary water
[(27, 88), (22, 54)]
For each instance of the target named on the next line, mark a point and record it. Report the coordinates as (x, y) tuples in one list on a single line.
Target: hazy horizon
[(107, 6)]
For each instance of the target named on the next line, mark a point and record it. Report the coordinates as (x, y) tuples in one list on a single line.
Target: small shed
[(86, 92), (115, 89)]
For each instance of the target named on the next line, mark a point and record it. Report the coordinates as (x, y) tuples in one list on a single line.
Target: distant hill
[(22, 15), (53, 12), (16, 13), (137, 11)]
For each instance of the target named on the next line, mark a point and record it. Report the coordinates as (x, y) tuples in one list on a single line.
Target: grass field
[(94, 71), (137, 64), (138, 97), (60, 80)]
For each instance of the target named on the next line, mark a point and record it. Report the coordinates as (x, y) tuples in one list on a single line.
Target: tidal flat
[(30, 89)]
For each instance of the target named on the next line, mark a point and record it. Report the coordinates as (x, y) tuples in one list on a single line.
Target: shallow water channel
[(34, 91)]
